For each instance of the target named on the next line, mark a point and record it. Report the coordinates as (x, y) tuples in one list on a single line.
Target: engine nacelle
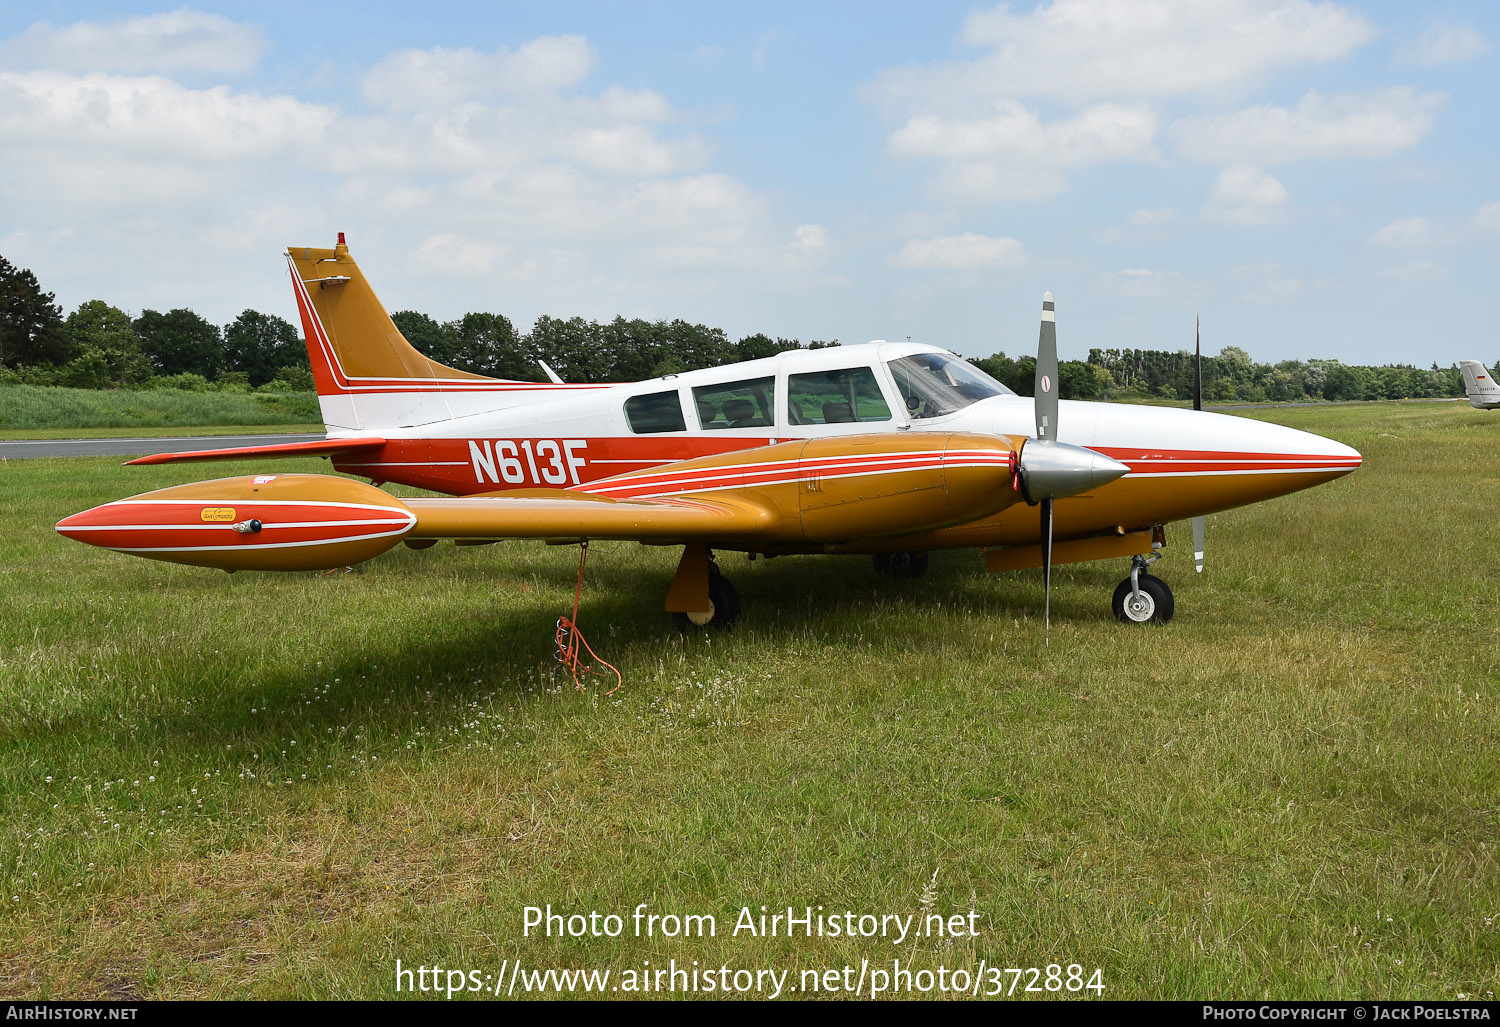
[(264, 522)]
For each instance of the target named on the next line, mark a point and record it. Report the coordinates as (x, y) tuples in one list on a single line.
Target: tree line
[(1229, 377), (99, 346)]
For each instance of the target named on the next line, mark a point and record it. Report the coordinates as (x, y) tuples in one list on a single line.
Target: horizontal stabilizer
[(318, 447)]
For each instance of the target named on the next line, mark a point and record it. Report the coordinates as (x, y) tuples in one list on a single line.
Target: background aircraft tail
[(1481, 389), (368, 376)]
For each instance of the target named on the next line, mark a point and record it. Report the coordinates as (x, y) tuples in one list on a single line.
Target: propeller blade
[(1198, 526), (1198, 366), (1047, 569), (1046, 372)]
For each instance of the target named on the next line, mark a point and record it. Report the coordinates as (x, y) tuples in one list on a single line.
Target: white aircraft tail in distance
[(1479, 386)]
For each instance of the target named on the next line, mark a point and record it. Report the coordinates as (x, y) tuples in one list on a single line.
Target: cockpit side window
[(745, 404), (840, 396), (655, 412), (934, 384)]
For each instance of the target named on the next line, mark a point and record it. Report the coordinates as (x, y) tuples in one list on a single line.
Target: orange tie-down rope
[(570, 641)]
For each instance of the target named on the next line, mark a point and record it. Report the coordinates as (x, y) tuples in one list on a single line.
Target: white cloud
[(592, 196), (100, 122), (179, 40), (1152, 218), (1488, 216), (762, 51), (1141, 282), (1416, 271), (1443, 44), (1412, 231), (444, 77), (1268, 283), (960, 253), (1245, 195), (1079, 50), (1011, 131), (810, 239), (1372, 124), (1009, 152)]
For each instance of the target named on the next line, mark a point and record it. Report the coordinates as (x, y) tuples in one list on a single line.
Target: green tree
[(573, 348), (431, 338), (260, 345), (487, 344), (754, 347), (31, 324), (105, 347), (180, 342)]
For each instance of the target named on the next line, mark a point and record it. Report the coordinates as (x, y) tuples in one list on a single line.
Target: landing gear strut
[(724, 606), (1143, 598), (903, 564)]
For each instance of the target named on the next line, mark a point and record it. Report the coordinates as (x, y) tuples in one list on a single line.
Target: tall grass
[(276, 786), (39, 407)]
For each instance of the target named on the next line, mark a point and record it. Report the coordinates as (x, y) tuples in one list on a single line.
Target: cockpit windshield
[(934, 384)]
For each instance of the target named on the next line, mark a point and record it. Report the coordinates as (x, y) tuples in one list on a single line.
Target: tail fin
[(1481, 389), (367, 375)]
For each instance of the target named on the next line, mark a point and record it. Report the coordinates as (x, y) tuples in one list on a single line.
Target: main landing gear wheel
[(724, 606), (903, 564), (1151, 604)]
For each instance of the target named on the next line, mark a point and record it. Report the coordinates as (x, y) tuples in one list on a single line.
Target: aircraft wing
[(558, 514), (317, 447)]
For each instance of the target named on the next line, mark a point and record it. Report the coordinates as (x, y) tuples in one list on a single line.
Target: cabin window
[(841, 396), (934, 384), (744, 404), (656, 412)]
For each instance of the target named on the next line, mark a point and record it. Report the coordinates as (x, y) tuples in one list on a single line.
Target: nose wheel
[(1143, 598)]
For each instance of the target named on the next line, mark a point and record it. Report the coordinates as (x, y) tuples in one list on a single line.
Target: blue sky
[(1313, 178)]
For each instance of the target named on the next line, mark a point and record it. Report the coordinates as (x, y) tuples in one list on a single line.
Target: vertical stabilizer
[(367, 374), (1481, 389)]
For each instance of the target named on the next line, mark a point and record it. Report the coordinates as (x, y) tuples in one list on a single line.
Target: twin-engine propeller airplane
[(888, 449), (1481, 389)]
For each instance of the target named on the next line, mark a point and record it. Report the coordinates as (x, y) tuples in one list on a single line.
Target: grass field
[(29, 408), (277, 786)]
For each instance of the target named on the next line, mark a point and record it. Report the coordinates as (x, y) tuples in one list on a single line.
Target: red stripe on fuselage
[(445, 465)]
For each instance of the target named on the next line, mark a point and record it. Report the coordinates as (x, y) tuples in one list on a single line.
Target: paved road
[(21, 449)]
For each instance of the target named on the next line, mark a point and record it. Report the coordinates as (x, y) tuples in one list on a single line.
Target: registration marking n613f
[(528, 461)]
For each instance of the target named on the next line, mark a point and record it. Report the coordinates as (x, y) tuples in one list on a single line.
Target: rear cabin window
[(744, 404), (657, 412), (841, 396)]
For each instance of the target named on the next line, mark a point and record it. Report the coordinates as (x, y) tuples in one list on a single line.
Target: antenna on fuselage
[(552, 375)]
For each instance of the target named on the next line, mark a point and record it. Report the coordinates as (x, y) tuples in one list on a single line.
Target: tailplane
[(368, 376), (1481, 389)]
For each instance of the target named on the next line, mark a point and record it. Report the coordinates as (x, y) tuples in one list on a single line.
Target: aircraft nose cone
[(1056, 469)]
